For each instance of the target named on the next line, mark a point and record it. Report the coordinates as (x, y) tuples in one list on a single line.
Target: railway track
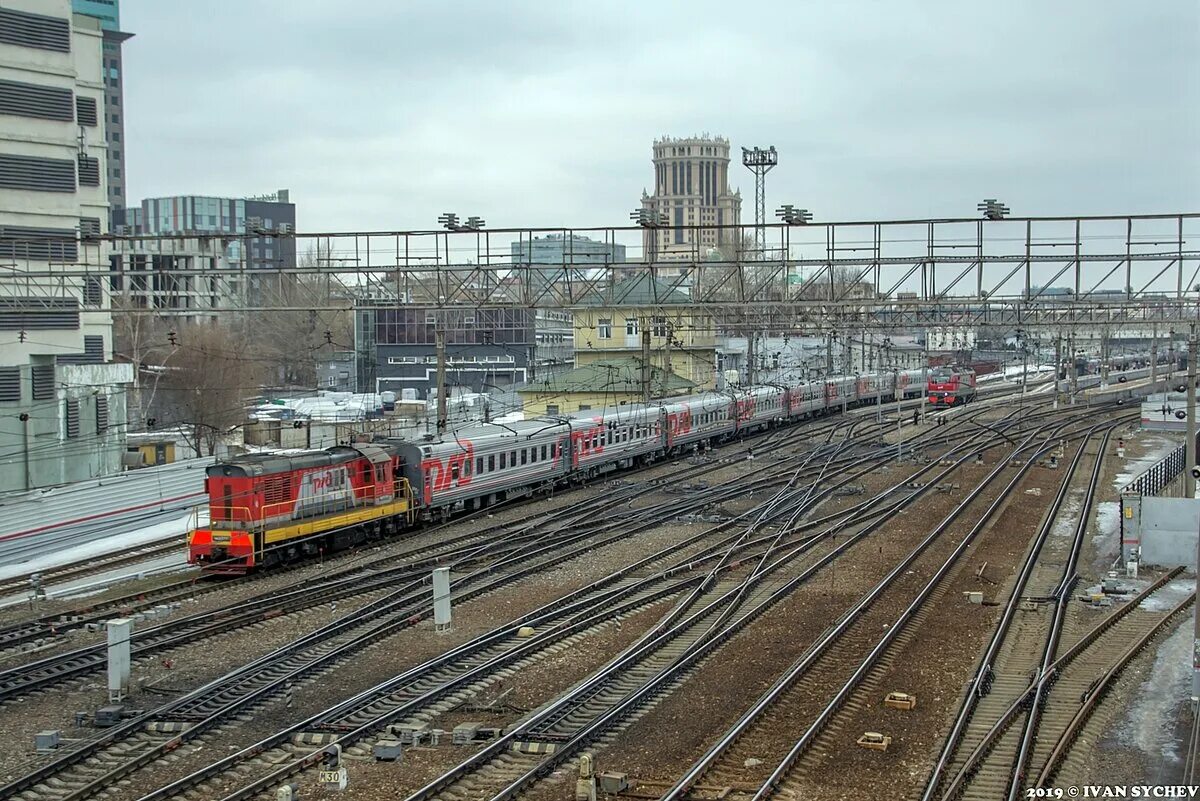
[(90, 567), (37, 631), (601, 703), (1031, 680), (231, 706), (755, 752), (253, 682), (42, 629), (488, 543)]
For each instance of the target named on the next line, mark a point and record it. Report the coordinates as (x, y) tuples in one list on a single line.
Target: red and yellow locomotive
[(264, 508)]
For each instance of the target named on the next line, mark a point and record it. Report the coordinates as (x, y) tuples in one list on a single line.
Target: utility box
[(46, 741), (119, 632), (612, 783), (107, 716), (410, 734), (388, 751)]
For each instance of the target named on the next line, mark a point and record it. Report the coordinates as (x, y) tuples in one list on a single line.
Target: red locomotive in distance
[(951, 386)]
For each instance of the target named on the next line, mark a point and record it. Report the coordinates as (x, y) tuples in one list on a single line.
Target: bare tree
[(208, 384), (143, 340), (299, 326)]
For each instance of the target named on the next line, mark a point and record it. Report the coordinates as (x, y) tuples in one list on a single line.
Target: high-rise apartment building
[(109, 14), (62, 400), (196, 215), (691, 188)]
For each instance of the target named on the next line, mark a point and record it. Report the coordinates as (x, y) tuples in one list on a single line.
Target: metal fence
[(1159, 474), (41, 521)]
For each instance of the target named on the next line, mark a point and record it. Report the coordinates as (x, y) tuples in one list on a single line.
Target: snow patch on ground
[(1068, 517), (1149, 723), (1169, 596), (168, 529), (1157, 447)]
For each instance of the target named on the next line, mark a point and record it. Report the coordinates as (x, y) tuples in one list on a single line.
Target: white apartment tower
[(62, 400), (691, 188)]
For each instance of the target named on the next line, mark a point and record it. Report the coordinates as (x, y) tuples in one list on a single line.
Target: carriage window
[(512, 458), (543, 453), (532, 455), (478, 465), (491, 463), (502, 460), (524, 456), (554, 450)]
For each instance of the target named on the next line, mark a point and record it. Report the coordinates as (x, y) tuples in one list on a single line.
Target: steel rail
[(980, 688), (702, 765), (1061, 596), (1065, 741), (299, 765), (632, 655), (392, 603), (784, 767), (980, 684), (1021, 702)]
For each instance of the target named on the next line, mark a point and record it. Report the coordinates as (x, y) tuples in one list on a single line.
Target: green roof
[(637, 290), (618, 376)]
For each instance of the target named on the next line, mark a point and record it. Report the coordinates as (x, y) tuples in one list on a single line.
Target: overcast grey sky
[(380, 114)]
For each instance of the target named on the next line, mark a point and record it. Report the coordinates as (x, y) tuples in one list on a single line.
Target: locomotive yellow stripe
[(328, 522)]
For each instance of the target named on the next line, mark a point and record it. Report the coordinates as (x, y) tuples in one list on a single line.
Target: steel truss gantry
[(1117, 271)]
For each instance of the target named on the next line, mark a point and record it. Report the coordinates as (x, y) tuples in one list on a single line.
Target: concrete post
[(1057, 367), (440, 339), (1154, 358), (119, 631), (1189, 482), (441, 600)]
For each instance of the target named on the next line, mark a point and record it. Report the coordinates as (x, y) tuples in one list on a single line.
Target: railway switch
[(901, 701)]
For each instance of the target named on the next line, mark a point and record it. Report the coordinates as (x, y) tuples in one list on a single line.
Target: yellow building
[(614, 322), (602, 384)]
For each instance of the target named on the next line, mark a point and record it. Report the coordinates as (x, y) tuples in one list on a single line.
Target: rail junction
[(769, 619)]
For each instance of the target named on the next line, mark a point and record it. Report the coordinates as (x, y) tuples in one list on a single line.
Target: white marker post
[(119, 631), (441, 600)]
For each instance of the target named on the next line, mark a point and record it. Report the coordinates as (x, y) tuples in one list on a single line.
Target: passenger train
[(266, 509)]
